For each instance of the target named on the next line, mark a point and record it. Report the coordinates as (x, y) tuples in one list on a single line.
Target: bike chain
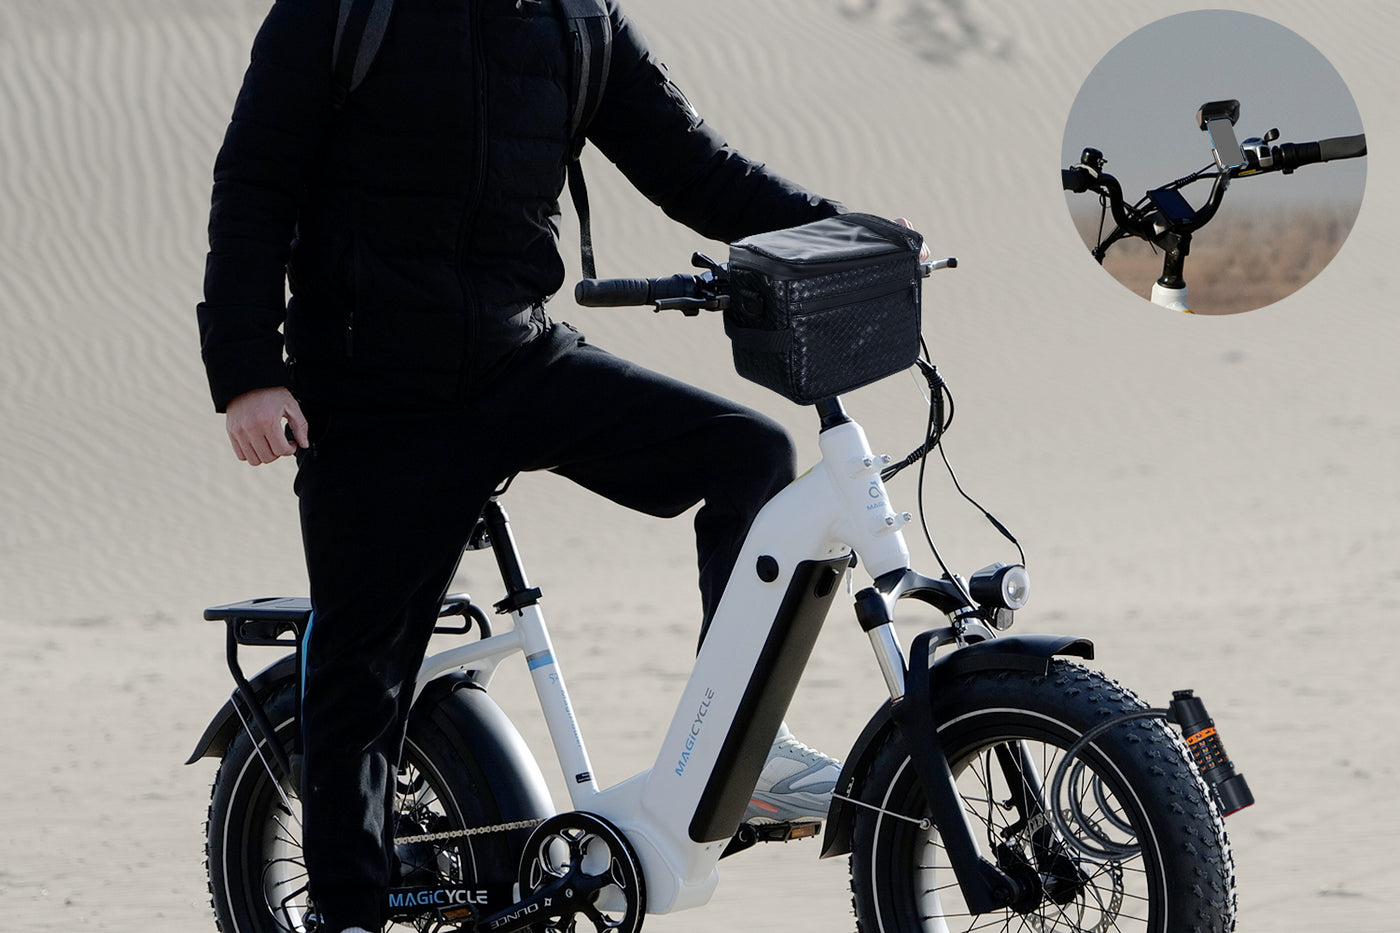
[(464, 833)]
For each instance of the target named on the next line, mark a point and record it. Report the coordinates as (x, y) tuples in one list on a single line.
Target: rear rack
[(283, 620), (268, 620)]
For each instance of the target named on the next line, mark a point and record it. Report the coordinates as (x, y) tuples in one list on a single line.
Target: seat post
[(507, 557)]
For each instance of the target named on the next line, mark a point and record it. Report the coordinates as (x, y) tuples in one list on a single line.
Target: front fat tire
[(257, 880), (1181, 880)]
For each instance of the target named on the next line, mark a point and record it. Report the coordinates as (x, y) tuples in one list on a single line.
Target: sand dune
[(1213, 500)]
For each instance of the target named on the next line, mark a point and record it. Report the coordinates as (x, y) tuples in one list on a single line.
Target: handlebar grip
[(613, 293), (621, 293), (1342, 147), (679, 285), (1290, 156), (1076, 179)]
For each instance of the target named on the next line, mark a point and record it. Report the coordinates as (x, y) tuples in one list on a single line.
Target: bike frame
[(680, 814)]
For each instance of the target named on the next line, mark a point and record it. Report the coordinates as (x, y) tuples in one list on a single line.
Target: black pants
[(387, 502)]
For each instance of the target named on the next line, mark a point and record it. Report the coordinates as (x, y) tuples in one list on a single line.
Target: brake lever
[(713, 282), (691, 307)]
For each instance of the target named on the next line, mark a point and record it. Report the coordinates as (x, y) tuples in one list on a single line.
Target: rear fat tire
[(1180, 879), (257, 878)]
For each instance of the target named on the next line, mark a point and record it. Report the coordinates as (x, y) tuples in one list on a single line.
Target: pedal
[(785, 832), (750, 834)]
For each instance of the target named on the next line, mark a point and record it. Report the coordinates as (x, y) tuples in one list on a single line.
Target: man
[(416, 220)]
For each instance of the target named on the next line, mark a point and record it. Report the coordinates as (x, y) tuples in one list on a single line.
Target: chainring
[(591, 864)]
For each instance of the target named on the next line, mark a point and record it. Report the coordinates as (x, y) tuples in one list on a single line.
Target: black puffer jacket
[(418, 224)]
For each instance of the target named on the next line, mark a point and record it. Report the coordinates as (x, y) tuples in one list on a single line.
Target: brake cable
[(938, 424)]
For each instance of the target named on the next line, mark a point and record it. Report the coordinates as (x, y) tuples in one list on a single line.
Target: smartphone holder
[(1218, 118)]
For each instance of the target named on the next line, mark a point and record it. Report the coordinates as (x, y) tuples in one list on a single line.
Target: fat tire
[(1185, 855), (244, 805)]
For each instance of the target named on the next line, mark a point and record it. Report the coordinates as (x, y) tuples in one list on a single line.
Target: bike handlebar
[(620, 293), (1076, 179), (690, 294), (1290, 156), (1343, 147), (1140, 221)]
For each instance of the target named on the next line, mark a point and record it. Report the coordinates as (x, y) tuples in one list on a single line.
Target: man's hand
[(254, 423), (925, 254)]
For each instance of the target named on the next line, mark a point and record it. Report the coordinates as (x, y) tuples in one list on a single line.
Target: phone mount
[(1218, 118)]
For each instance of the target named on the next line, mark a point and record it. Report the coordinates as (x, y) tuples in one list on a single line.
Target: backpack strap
[(359, 31), (590, 38)]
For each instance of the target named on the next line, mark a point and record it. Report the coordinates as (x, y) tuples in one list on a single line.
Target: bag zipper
[(869, 293), (788, 269), (895, 240)]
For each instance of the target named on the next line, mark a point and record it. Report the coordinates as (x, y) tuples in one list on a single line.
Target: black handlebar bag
[(826, 307)]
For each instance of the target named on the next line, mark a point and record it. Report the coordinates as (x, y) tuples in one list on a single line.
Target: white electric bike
[(999, 784), (1164, 218)]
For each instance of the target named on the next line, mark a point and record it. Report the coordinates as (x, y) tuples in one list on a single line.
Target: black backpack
[(360, 31)]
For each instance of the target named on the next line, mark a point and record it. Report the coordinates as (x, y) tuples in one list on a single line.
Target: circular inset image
[(1218, 149)]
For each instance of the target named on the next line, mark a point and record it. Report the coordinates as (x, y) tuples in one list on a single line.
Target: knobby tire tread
[(1196, 854)]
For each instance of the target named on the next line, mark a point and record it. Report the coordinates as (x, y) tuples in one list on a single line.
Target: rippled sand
[(1214, 501)]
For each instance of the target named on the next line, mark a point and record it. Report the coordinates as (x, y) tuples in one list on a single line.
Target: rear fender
[(482, 734), (225, 724), (1011, 652), (488, 742)]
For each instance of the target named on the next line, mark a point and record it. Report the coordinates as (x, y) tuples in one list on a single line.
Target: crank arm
[(566, 895)]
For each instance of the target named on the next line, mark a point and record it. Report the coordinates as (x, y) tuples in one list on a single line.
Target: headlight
[(1003, 586)]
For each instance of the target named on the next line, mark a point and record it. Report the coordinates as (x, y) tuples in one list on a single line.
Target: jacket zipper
[(354, 292)]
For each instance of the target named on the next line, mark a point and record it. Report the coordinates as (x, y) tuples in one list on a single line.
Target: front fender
[(1030, 652)]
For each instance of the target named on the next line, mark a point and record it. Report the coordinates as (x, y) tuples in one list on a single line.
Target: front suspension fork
[(985, 887)]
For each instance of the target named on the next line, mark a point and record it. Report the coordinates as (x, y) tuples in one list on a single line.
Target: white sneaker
[(795, 785)]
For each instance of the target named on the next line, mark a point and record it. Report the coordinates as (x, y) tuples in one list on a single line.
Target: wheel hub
[(1027, 880)]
